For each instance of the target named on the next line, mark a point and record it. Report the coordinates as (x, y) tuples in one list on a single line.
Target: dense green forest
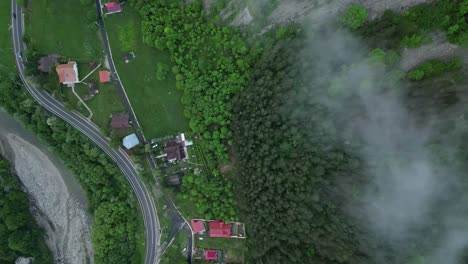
[(300, 155), (116, 225), (324, 117), (19, 234)]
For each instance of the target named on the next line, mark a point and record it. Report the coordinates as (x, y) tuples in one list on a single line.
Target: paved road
[(115, 75), (176, 216), (90, 130)]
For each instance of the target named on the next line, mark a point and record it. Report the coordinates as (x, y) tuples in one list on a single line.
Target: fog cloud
[(407, 190)]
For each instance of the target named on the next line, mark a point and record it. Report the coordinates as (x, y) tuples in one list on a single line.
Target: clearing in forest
[(156, 102)]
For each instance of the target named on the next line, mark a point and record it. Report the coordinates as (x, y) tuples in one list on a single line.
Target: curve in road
[(91, 131)]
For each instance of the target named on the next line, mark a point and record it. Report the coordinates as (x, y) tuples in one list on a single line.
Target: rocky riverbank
[(58, 203)]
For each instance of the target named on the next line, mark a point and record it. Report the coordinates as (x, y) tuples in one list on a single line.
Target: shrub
[(354, 16), (161, 71), (415, 40)]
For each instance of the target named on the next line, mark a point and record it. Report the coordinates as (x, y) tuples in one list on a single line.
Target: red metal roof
[(104, 76), (220, 229), (113, 7), (211, 255), (197, 226)]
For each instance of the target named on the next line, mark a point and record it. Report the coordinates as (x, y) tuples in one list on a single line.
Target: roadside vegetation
[(20, 236), (74, 38), (149, 82), (6, 53), (116, 226), (176, 253)]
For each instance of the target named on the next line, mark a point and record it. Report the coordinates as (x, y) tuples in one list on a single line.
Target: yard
[(53, 26), (155, 102), (233, 248), (6, 53), (175, 253)]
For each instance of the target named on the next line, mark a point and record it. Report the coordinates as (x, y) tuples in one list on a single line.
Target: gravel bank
[(59, 212)]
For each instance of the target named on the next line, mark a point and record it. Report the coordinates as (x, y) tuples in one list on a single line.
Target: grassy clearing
[(233, 249), (60, 27), (6, 46), (156, 102), (174, 254)]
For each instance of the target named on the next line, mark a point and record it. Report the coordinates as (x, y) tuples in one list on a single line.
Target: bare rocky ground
[(439, 48), (296, 10), (56, 210)]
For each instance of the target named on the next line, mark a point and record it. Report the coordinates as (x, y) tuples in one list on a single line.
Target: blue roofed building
[(130, 141)]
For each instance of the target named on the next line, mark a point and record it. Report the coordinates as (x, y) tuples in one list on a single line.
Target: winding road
[(92, 132)]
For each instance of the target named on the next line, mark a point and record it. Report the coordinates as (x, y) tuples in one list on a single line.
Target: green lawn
[(6, 46), (156, 103), (173, 254), (233, 248), (63, 27)]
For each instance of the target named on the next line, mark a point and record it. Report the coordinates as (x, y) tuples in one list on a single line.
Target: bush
[(161, 71), (354, 16), (415, 40), (434, 68)]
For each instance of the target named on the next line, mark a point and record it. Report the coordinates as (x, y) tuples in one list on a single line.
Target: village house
[(211, 255), (46, 62), (176, 150), (119, 120), (113, 7), (220, 229), (67, 73), (104, 76), (198, 226)]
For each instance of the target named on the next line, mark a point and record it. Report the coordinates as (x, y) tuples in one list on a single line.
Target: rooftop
[(104, 76), (47, 61), (130, 141), (198, 226), (211, 255), (113, 7), (220, 229), (120, 120), (68, 73)]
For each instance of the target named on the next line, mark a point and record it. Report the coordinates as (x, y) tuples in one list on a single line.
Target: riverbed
[(58, 201)]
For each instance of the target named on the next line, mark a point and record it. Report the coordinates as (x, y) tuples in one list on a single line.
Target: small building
[(119, 120), (67, 73), (174, 180), (92, 65), (104, 76), (46, 62), (113, 7), (211, 255), (130, 141), (198, 226), (220, 229), (176, 150)]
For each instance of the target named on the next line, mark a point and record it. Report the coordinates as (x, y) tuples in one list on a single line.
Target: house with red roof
[(211, 255), (113, 7), (104, 76), (198, 226), (220, 229), (67, 73)]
